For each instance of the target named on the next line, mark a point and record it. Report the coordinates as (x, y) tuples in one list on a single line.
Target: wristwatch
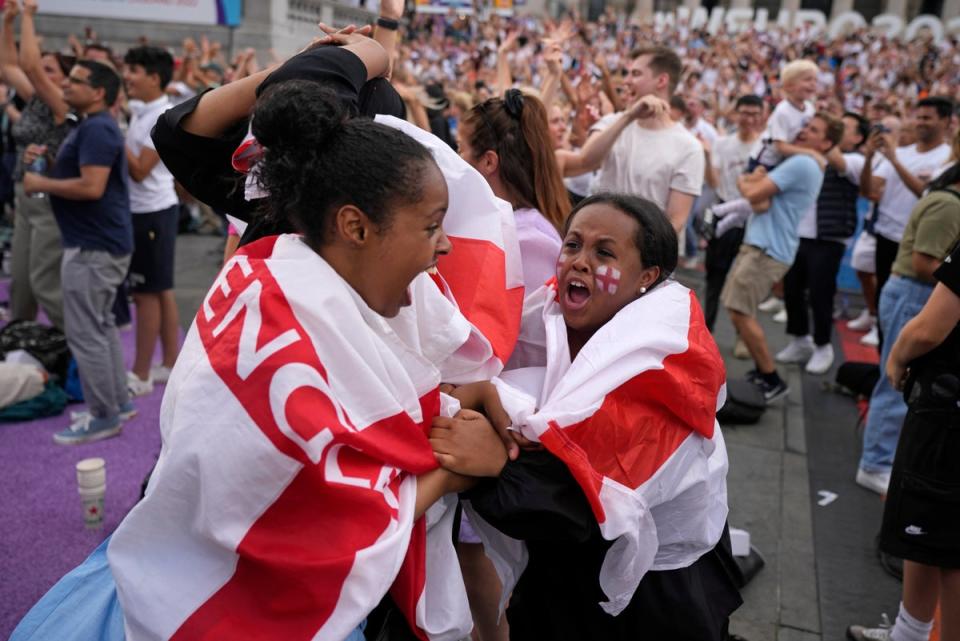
[(388, 23)]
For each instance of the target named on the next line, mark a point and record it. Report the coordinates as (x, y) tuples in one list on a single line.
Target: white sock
[(740, 205), (907, 628)]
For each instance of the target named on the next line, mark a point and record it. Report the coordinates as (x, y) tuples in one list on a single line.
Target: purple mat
[(43, 536)]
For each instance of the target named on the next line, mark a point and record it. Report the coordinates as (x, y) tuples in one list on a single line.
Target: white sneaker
[(871, 338), (798, 350), (821, 360), (863, 323), (874, 481), (160, 374), (772, 304), (137, 386), (780, 317)]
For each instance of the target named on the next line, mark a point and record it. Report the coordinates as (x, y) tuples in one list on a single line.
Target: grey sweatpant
[(35, 261), (90, 279)]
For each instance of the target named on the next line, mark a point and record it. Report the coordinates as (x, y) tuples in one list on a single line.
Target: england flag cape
[(634, 419), (294, 425), (483, 273)]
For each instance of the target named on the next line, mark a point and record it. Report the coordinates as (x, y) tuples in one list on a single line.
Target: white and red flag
[(483, 273), (634, 418), (294, 425)]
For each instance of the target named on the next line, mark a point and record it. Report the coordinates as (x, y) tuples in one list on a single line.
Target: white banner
[(185, 11)]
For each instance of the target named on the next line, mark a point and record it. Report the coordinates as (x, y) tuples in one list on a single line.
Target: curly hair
[(317, 159)]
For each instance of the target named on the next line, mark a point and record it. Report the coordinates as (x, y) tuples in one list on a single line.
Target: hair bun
[(297, 114), (513, 103)]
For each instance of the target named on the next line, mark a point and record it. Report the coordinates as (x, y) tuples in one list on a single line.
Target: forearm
[(504, 77), (913, 183), (220, 109), (710, 173), (69, 188), (788, 149), (433, 485), (8, 48), (388, 40), (599, 145), (135, 166), (548, 90), (567, 87), (29, 47), (866, 179)]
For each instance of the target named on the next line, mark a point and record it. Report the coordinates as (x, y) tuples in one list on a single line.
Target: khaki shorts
[(750, 279)]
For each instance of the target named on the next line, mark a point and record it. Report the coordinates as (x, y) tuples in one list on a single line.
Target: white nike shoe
[(798, 350)]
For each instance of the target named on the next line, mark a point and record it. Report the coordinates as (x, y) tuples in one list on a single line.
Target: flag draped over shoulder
[(293, 427), (634, 419), (483, 273)]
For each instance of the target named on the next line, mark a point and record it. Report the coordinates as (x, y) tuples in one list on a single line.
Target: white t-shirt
[(155, 192), (893, 210), (808, 224), (785, 123), (730, 157), (651, 162), (706, 131)]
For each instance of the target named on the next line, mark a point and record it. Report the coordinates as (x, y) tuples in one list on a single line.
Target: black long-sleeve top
[(536, 499)]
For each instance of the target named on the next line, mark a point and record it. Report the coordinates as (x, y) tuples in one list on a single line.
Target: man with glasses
[(726, 161), (88, 191)]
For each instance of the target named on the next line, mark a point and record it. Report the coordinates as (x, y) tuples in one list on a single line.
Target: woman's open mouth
[(576, 295)]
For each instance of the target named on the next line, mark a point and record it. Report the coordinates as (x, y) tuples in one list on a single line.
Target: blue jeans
[(901, 299)]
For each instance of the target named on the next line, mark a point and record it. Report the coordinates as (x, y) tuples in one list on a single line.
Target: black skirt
[(921, 517)]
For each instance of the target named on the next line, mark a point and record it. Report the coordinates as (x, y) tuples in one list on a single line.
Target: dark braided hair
[(317, 159)]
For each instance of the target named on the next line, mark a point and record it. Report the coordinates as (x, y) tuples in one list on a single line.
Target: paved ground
[(821, 574)]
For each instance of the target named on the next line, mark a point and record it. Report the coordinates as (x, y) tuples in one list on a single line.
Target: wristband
[(388, 23)]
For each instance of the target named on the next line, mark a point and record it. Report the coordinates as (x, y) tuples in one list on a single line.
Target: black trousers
[(721, 252), (886, 254), (813, 274)]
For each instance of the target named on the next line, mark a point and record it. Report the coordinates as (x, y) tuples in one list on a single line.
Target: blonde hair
[(796, 69)]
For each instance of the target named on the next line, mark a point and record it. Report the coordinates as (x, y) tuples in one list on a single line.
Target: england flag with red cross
[(633, 416), (294, 425)]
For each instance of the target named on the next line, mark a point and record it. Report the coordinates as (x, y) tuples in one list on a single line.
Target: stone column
[(840, 6), (896, 7), (951, 9), (643, 12)]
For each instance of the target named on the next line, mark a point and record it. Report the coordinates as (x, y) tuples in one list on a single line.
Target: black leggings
[(814, 271)]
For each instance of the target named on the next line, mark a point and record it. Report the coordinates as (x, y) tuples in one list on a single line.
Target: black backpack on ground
[(858, 379), (46, 344), (744, 406)]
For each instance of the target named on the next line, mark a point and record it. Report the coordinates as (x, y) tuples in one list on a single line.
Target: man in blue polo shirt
[(780, 199), (88, 190)]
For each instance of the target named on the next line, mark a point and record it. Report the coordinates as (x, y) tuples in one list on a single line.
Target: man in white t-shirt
[(699, 127), (155, 207), (900, 179), (727, 159), (663, 165)]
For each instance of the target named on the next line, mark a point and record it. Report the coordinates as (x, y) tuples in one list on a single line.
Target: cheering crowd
[(446, 340)]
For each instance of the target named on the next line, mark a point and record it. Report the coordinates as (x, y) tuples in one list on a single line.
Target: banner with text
[(225, 12)]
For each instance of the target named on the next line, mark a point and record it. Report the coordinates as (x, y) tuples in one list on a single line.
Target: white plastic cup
[(92, 499), (91, 472), (92, 486)]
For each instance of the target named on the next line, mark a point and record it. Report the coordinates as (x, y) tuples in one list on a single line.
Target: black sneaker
[(753, 376), (772, 391)]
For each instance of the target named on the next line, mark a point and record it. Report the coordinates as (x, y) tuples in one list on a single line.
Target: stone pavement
[(820, 574)]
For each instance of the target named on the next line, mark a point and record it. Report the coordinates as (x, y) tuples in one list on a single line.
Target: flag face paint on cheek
[(607, 279)]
